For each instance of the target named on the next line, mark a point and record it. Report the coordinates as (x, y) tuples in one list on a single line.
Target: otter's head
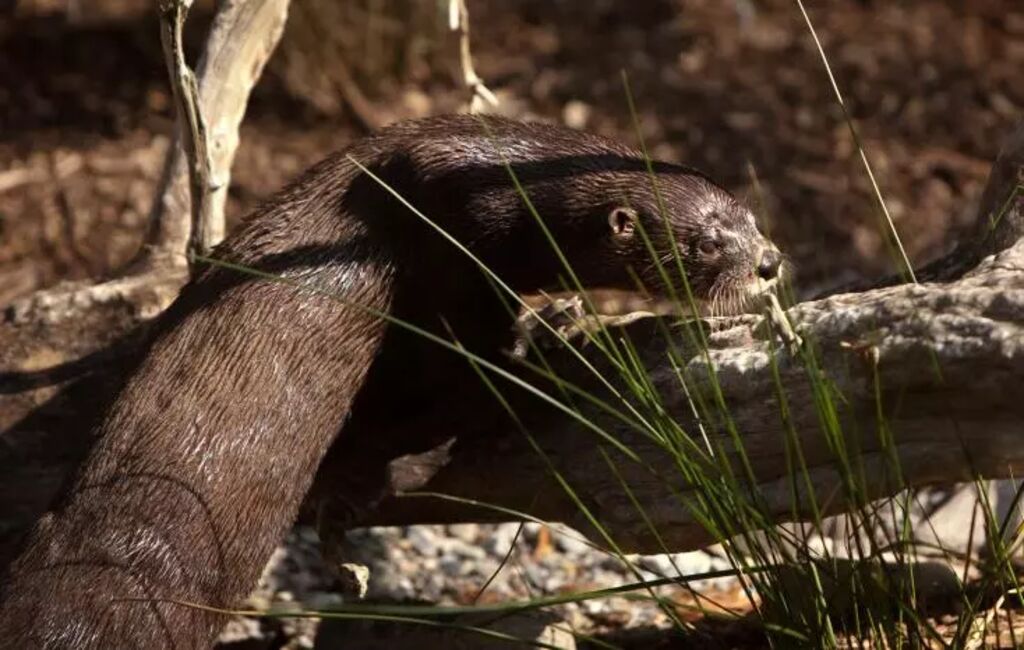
[(727, 261)]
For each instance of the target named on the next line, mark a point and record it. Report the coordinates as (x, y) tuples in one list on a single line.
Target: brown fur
[(206, 455)]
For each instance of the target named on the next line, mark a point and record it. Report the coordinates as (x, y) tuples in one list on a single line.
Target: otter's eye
[(708, 247)]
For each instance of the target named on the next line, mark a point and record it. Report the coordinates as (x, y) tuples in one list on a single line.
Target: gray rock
[(468, 533), (355, 579), (451, 566), (498, 540), (571, 542), (470, 551), (423, 540), (243, 633)]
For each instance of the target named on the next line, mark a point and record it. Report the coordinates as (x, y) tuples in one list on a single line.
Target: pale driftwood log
[(965, 423)]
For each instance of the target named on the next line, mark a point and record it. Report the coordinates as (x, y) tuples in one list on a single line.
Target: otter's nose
[(771, 262)]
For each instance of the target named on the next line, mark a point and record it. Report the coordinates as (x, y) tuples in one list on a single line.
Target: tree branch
[(243, 36), (207, 227), (458, 21)]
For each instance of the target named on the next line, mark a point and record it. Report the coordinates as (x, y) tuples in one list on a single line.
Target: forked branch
[(207, 226)]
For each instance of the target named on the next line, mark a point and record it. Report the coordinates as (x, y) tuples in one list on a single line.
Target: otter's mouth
[(739, 298)]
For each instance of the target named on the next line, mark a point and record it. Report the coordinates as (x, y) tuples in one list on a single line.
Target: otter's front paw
[(561, 321)]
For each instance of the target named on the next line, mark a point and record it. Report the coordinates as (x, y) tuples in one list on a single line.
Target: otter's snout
[(770, 264)]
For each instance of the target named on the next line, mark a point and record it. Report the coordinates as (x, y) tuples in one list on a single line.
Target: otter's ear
[(622, 221)]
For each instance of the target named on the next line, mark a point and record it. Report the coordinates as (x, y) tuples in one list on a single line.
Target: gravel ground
[(450, 564), (466, 564)]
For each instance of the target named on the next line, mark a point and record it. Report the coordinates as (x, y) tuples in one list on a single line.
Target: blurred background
[(734, 88)]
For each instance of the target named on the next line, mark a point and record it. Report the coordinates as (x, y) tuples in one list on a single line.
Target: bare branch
[(458, 21), (243, 36), (191, 127)]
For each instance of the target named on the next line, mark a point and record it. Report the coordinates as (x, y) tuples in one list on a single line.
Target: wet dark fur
[(206, 455)]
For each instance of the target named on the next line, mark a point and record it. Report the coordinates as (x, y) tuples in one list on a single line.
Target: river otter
[(205, 456)]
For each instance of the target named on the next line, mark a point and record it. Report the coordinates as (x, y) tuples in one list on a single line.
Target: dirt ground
[(734, 88)]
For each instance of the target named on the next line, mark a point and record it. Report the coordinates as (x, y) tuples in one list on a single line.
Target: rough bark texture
[(946, 356)]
